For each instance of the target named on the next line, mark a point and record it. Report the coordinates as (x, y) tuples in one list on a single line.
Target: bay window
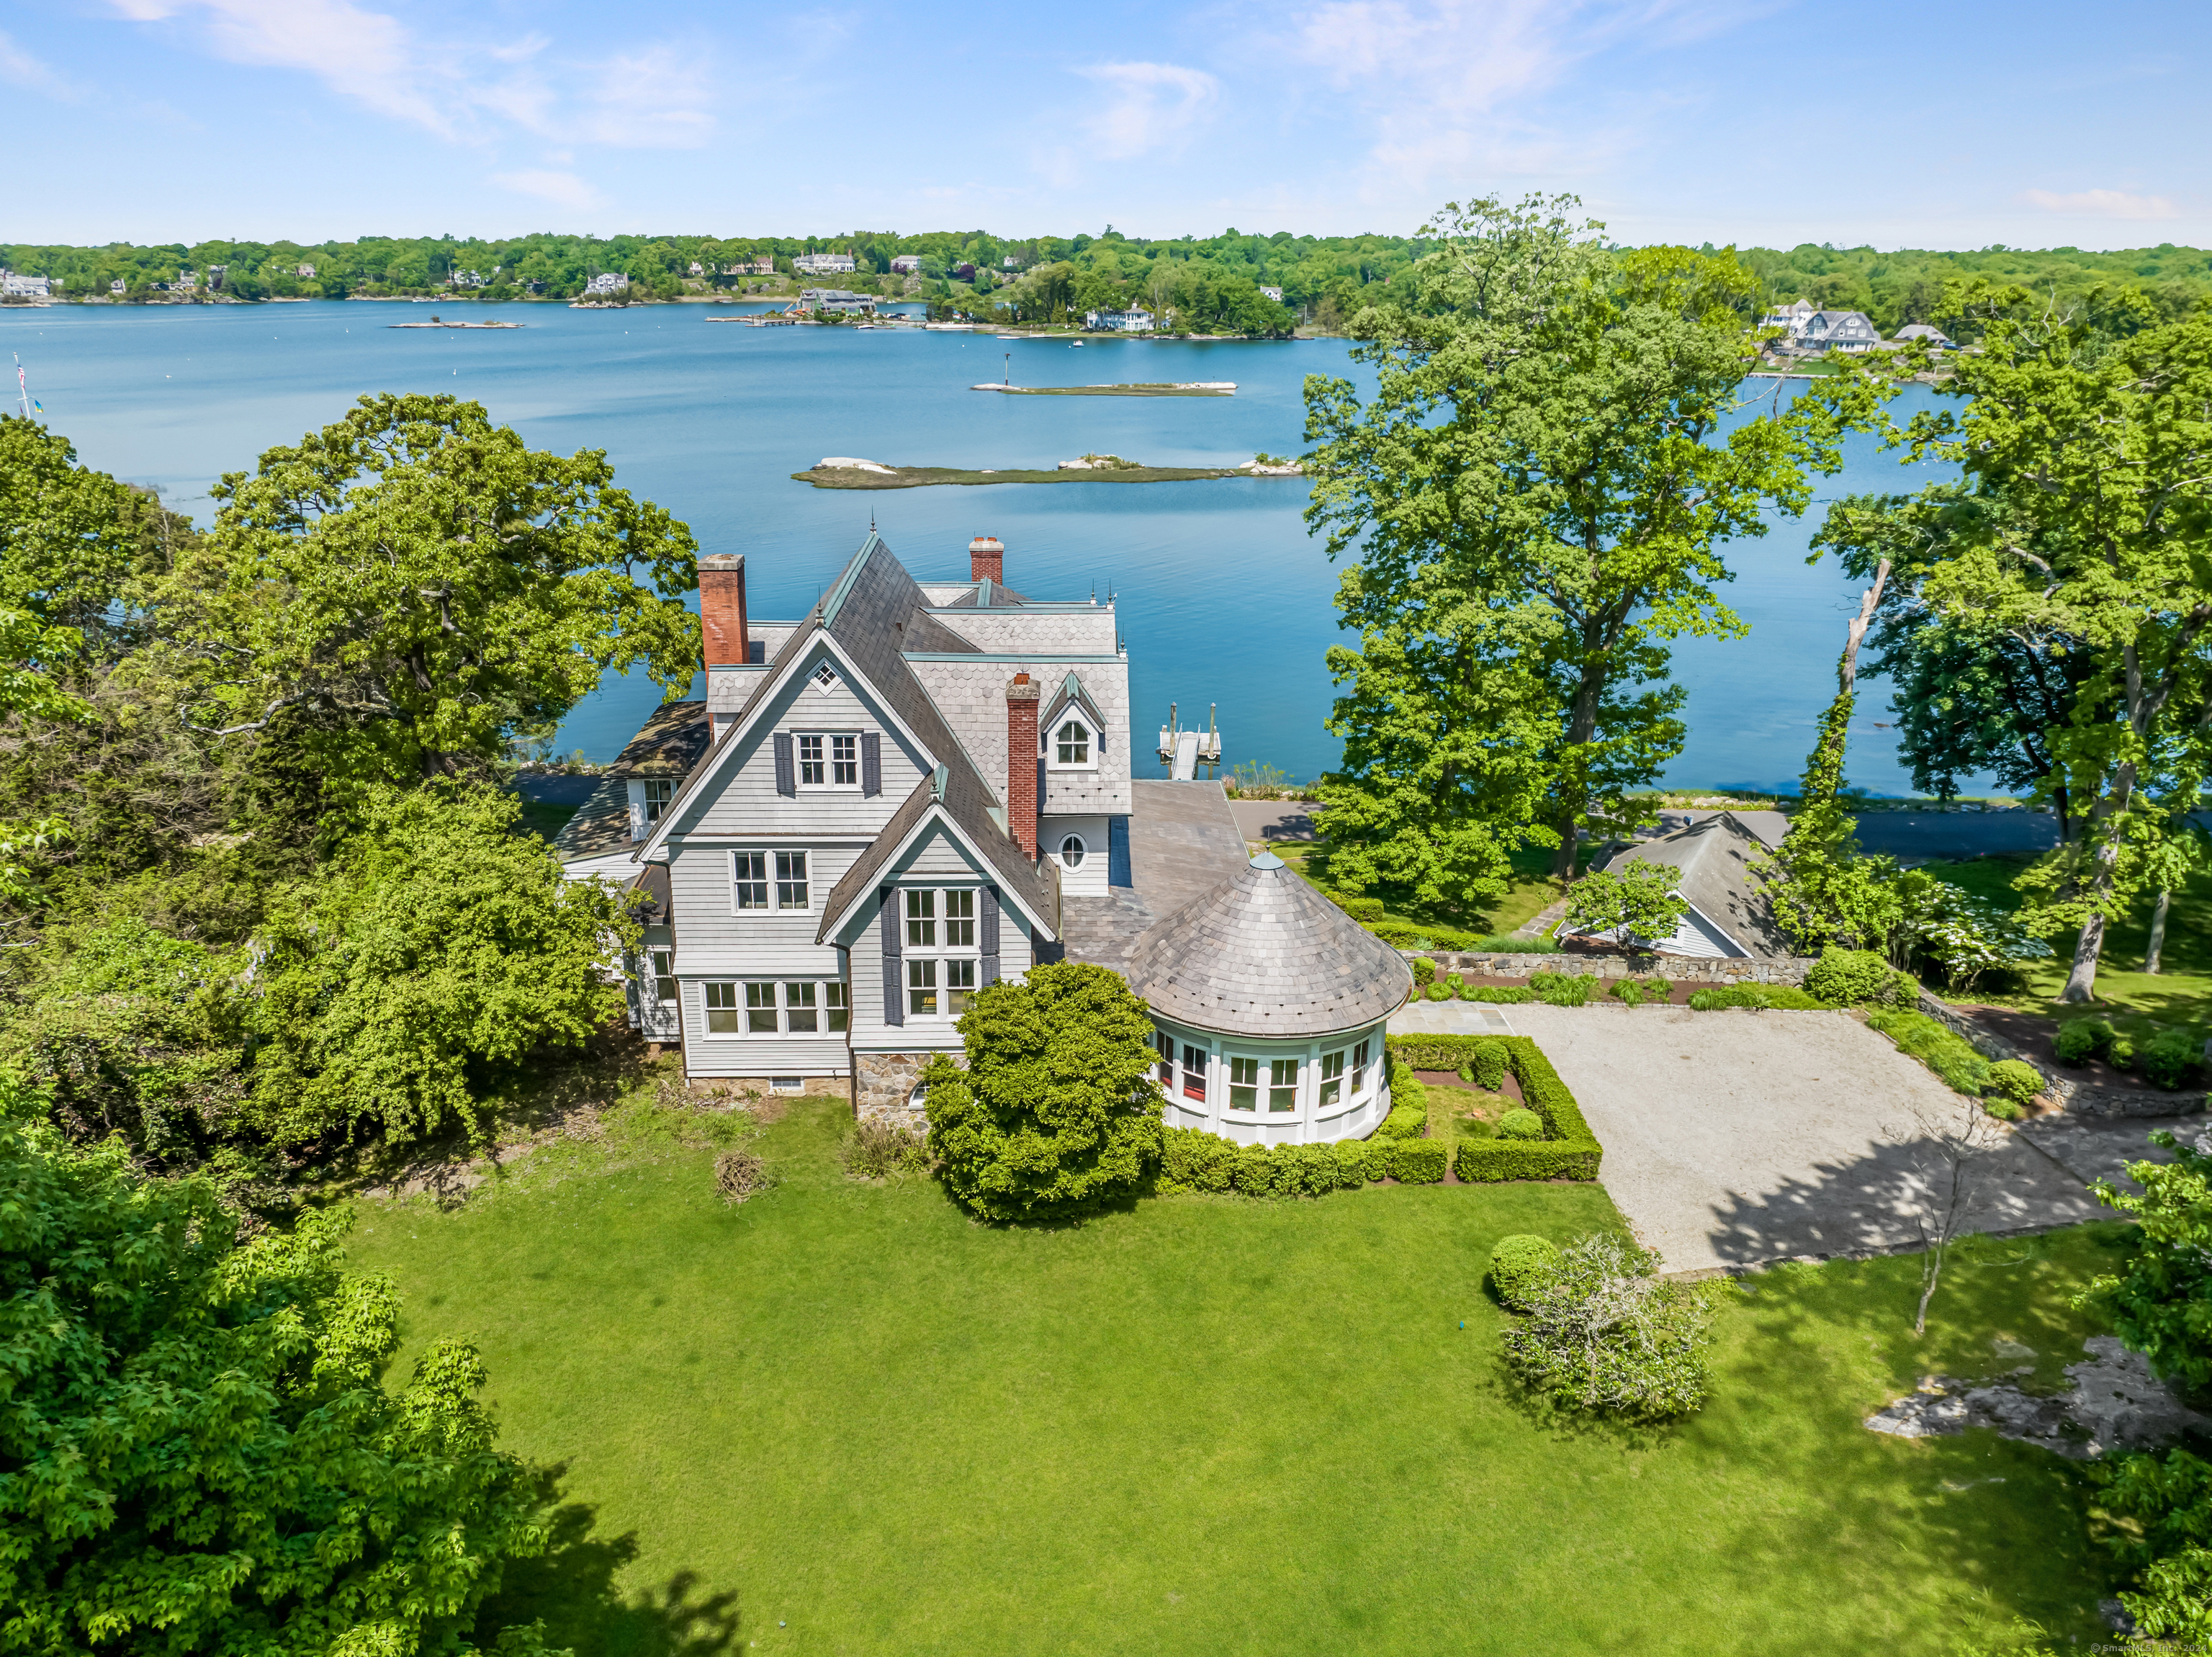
[(941, 921)]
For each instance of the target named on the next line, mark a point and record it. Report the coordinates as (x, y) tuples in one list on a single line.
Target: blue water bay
[(1223, 598)]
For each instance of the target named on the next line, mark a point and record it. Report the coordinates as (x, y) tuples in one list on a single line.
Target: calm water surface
[(1223, 598)]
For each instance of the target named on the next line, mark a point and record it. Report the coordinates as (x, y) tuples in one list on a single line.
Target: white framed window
[(786, 1084), (663, 963), (1072, 745), (1165, 1068), (1332, 1079), (658, 793), (825, 679), (1194, 1071), (1073, 849), (778, 1007), (1359, 1054), (942, 968), (828, 759), (791, 879), (1243, 1084), (1283, 1084), (749, 870)]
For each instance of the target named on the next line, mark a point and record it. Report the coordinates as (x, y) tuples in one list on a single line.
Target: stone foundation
[(1677, 969), (883, 1082), (708, 1086)]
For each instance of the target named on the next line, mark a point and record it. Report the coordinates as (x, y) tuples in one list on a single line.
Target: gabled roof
[(1263, 954), (668, 747), (1716, 859), (985, 595), (873, 613), (1071, 694), (949, 794)]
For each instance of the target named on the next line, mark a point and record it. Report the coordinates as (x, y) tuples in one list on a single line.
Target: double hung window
[(787, 1007), (1332, 1079), (752, 875), (1166, 1043), (1358, 1069), (656, 797), (828, 759), (941, 964), (1194, 1071), (663, 962), (1243, 1084), (1283, 1084), (791, 879)]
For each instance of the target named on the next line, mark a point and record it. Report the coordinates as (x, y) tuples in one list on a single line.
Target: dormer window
[(656, 797), (1071, 745)]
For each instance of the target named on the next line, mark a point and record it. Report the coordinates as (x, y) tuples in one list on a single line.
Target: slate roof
[(1716, 858), (669, 744), (1264, 954)]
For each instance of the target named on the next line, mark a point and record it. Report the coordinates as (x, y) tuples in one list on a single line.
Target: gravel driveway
[(1736, 1137)]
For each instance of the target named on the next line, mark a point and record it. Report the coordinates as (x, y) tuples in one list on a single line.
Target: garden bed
[(2036, 1036)]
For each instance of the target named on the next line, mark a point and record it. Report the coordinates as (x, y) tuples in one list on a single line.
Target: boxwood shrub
[(2011, 1079), (1520, 1264), (2080, 1040), (2168, 1058), (1425, 971), (1568, 1150), (1856, 978), (1418, 1161), (1486, 1065)]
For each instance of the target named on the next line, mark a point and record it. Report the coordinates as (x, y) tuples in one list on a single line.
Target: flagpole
[(22, 387)]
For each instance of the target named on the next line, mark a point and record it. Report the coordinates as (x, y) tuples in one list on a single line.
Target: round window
[(1072, 852)]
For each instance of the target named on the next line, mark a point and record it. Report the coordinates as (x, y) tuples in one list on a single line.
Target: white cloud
[(2102, 204), (19, 68), (563, 189), (360, 54), (1152, 105), (652, 100)]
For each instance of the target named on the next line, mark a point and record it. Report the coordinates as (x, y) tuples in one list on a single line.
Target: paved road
[(1735, 1138)]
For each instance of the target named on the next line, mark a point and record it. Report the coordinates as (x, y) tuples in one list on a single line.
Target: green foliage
[(1639, 902), (1499, 994), (876, 1149), (1605, 1332), (1563, 989), (1520, 1124), (1942, 1049), (1520, 1264), (1192, 1159), (2019, 1083), (1418, 1161), (1536, 494), (1056, 1113), (1634, 992), (202, 1457), (1778, 996), (1425, 971), (415, 588), (1859, 978), (1486, 1065), (1439, 991), (2080, 1040), (2168, 1059), (1568, 1150), (436, 946)]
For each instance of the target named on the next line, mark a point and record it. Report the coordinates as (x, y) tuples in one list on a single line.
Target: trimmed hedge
[(1568, 1150), (1520, 1124), (1419, 1162), (1194, 1159), (1486, 1067)]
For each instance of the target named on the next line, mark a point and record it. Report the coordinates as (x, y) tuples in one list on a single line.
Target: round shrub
[(2080, 1040), (1425, 971), (1441, 991), (2017, 1083), (2003, 1109), (1486, 1065), (1520, 1124), (2168, 1058), (1855, 977), (1521, 1265)]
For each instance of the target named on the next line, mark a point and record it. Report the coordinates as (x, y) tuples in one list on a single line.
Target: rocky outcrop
[(2114, 1403)]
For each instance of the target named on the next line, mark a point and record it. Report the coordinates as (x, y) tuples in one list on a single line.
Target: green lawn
[(2180, 992), (845, 1419), (1532, 890)]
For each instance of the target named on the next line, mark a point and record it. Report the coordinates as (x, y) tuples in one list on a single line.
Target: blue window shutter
[(871, 764), (894, 999), (990, 951), (786, 773)]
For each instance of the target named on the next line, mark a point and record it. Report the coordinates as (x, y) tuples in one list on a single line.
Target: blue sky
[(1926, 126)]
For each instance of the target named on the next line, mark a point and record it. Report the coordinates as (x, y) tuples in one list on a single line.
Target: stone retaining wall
[(883, 1085), (2075, 1098), (1674, 968)]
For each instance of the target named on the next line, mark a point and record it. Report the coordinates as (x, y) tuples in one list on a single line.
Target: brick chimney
[(986, 559), (722, 610), (1023, 763)]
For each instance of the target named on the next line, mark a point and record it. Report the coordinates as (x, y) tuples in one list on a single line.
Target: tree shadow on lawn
[(572, 1586)]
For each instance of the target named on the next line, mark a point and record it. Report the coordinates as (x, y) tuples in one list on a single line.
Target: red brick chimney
[(722, 610), (1022, 763), (986, 557)]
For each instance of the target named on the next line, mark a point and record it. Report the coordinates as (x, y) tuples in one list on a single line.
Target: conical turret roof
[(1264, 954)]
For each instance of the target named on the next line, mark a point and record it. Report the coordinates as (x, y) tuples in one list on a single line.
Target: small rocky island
[(849, 472), (1134, 388)]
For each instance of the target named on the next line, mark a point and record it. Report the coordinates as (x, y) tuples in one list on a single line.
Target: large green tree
[(197, 1454), (1056, 1112), (413, 587), (1554, 427), (2089, 424), (435, 948)]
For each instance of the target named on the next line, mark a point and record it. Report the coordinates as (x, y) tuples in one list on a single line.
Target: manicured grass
[(1533, 890), (845, 1418), (2136, 1001)]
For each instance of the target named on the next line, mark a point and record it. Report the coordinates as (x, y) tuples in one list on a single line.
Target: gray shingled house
[(915, 790), (1729, 915)]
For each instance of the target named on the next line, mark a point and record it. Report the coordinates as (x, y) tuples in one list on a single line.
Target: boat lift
[(1184, 752)]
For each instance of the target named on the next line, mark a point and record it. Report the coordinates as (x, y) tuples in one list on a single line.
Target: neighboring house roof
[(1263, 954), (669, 745), (1922, 330), (1715, 860)]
